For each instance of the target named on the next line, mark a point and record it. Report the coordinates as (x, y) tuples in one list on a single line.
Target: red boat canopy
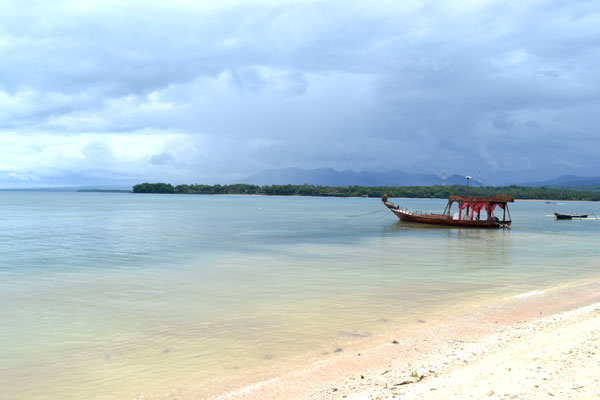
[(501, 198), (478, 203)]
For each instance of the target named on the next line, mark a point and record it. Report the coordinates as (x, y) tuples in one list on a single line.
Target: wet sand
[(541, 344), (555, 357)]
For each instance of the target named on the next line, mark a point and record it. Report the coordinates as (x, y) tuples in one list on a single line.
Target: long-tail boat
[(469, 214), (570, 216)]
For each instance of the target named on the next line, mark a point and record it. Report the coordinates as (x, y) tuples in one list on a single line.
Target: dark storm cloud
[(230, 88)]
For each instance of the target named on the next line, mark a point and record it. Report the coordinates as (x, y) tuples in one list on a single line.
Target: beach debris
[(362, 377), (395, 342), (165, 351), (268, 356), (414, 374), (421, 321), (408, 382), (338, 350)]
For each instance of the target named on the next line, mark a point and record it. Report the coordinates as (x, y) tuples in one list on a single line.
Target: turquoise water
[(110, 295)]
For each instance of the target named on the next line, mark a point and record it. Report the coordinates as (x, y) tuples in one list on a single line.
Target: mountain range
[(333, 177), (568, 181)]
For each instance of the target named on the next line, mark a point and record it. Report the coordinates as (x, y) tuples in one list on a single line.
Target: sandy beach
[(531, 347), (556, 357)]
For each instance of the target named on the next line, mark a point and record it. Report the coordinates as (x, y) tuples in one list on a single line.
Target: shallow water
[(110, 295)]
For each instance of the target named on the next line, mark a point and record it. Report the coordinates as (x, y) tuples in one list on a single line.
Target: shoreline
[(335, 197), (434, 191), (555, 356), (424, 361)]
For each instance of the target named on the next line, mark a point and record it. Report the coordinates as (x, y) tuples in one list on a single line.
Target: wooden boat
[(469, 213), (570, 216)]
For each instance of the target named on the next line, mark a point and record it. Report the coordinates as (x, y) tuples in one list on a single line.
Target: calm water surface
[(107, 296)]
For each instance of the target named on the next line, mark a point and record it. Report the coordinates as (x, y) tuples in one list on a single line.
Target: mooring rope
[(370, 213)]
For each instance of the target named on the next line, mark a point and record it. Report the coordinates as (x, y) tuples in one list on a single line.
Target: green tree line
[(518, 192)]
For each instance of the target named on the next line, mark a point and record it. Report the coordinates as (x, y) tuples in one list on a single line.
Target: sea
[(130, 296)]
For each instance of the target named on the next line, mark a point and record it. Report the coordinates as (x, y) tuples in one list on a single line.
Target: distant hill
[(87, 188), (458, 180), (568, 181), (332, 177)]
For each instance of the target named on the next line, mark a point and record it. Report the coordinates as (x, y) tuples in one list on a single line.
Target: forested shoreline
[(438, 191)]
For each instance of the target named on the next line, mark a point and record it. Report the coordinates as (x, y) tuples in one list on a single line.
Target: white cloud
[(214, 89), (39, 155)]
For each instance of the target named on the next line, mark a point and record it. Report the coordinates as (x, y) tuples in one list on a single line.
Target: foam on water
[(246, 389), (529, 294)]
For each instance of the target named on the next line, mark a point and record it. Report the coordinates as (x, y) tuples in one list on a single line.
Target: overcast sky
[(185, 91)]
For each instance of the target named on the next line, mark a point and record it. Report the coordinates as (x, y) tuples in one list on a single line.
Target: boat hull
[(439, 219), (570, 216)]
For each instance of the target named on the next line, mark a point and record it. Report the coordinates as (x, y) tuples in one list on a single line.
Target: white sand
[(554, 357), (509, 350), (557, 357)]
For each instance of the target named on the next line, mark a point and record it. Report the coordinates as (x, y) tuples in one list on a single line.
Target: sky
[(183, 91)]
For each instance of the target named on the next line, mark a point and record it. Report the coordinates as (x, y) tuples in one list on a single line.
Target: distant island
[(438, 191)]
